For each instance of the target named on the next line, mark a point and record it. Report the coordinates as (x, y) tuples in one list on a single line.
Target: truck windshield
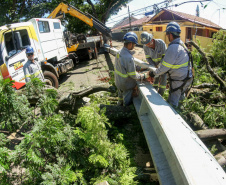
[(10, 42)]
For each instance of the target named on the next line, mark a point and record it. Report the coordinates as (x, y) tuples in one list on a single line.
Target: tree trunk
[(205, 85), (221, 158), (196, 121), (210, 134)]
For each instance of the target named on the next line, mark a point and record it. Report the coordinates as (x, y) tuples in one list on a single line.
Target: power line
[(159, 9)]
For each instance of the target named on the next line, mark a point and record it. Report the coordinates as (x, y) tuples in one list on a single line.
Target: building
[(117, 27), (192, 27), (136, 25)]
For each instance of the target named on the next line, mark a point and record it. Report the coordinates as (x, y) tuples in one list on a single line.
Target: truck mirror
[(7, 58), (18, 39)]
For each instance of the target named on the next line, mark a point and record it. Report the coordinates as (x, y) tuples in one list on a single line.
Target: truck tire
[(51, 79)]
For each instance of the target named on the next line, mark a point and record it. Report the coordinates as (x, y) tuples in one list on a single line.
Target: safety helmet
[(131, 37), (29, 49), (146, 37), (173, 28)]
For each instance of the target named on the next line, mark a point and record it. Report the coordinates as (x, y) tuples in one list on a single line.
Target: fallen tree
[(210, 134)]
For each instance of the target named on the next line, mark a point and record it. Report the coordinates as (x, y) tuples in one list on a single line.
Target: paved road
[(86, 74)]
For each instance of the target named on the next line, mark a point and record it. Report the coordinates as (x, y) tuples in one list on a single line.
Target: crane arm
[(88, 19)]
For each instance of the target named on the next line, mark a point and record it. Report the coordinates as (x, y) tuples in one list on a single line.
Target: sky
[(213, 11)]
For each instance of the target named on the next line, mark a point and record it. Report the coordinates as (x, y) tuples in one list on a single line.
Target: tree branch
[(22, 8), (205, 85), (210, 70), (93, 8), (210, 134), (103, 18)]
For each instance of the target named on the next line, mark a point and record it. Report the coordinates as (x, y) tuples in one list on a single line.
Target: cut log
[(196, 121), (205, 85), (210, 134), (221, 158), (205, 92), (73, 100)]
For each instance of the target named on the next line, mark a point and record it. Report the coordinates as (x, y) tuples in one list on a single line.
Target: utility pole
[(129, 20)]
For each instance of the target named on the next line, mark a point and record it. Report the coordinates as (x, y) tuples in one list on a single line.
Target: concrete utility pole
[(197, 11), (129, 19)]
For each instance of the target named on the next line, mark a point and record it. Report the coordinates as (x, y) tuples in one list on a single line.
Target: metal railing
[(179, 156)]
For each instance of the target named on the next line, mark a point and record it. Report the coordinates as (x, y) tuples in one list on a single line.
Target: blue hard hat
[(29, 49), (145, 37), (131, 37), (173, 28)]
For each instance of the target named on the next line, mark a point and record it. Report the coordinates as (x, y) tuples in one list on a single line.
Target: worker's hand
[(147, 75)]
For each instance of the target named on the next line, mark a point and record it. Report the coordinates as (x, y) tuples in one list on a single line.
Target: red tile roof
[(123, 22), (187, 17), (138, 22)]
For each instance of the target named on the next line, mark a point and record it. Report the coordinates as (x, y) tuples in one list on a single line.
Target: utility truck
[(47, 39), (57, 51)]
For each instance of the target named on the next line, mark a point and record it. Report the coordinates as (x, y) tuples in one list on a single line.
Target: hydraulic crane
[(86, 18)]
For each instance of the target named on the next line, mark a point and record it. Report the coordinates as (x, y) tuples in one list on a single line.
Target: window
[(10, 42), (158, 28), (43, 26), (56, 25)]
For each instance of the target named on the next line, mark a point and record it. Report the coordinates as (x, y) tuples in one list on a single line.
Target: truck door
[(58, 33), (15, 57)]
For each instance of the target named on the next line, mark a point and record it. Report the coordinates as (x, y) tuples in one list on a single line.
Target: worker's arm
[(148, 56), (168, 62), (131, 70), (26, 74)]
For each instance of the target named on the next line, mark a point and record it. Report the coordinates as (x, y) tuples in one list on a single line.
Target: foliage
[(219, 48), (210, 107), (103, 9), (22, 10), (14, 110), (62, 148)]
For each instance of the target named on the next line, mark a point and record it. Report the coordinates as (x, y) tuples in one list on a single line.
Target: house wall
[(204, 42), (202, 33)]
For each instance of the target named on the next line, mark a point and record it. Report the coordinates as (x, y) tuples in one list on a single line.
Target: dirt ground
[(86, 74)]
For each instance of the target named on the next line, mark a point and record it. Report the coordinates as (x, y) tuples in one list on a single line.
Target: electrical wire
[(166, 1)]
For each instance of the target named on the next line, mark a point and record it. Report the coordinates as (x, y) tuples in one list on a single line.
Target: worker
[(177, 64), (154, 50), (32, 67), (125, 70)]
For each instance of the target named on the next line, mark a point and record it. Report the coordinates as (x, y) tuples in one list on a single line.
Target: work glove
[(151, 74)]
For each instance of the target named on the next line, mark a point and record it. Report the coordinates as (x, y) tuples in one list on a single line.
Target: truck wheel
[(51, 79)]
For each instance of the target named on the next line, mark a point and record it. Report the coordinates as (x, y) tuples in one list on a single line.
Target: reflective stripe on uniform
[(26, 76), (148, 56), (120, 74), (174, 66), (131, 73), (157, 59), (162, 86), (155, 85), (117, 55), (36, 74)]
